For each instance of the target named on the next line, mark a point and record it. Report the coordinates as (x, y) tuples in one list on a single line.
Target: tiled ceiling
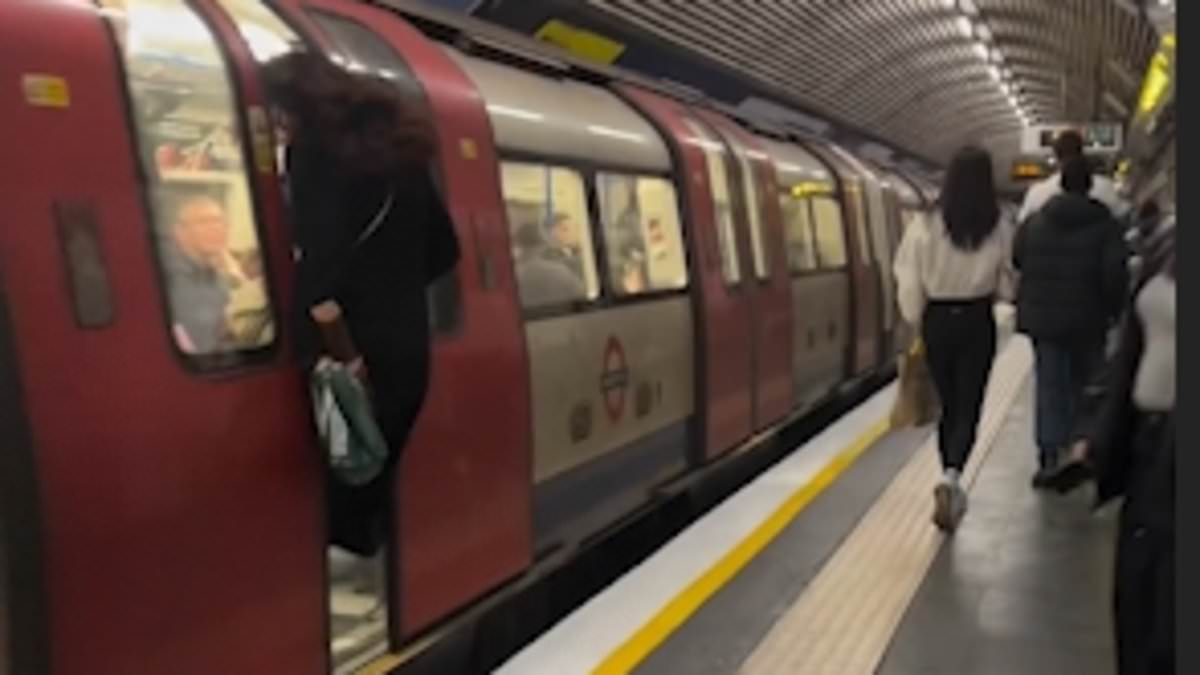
[(926, 75)]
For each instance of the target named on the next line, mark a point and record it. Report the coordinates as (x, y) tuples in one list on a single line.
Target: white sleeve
[(1029, 204), (910, 290), (1006, 284), (1106, 192)]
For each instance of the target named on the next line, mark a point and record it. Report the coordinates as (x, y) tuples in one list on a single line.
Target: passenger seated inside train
[(566, 246), (544, 278), (195, 262), (631, 265)]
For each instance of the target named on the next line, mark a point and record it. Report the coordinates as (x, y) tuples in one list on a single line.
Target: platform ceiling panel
[(927, 75)]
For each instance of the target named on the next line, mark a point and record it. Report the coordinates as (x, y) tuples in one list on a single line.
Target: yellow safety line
[(647, 638), (382, 665)]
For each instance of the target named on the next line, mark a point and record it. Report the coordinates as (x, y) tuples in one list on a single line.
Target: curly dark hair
[(363, 121)]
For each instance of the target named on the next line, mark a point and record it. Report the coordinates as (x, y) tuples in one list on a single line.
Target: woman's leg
[(1053, 374), (971, 378), (937, 331)]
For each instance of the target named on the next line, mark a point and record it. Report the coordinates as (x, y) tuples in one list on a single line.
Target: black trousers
[(359, 515), (1144, 583), (960, 345)]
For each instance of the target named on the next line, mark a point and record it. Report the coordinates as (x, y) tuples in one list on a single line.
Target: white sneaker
[(949, 506)]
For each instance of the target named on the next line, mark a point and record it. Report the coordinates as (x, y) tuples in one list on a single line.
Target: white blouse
[(929, 266), (1154, 387)]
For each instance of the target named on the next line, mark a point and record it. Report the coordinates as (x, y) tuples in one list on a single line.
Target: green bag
[(353, 443)]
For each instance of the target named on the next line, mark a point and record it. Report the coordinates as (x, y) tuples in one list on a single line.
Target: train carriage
[(161, 498)]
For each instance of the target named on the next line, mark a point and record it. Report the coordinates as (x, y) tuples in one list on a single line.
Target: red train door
[(463, 509), (767, 278), (178, 493), (724, 339)]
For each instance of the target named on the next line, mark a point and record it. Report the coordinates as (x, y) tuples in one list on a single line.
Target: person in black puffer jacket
[(1073, 265)]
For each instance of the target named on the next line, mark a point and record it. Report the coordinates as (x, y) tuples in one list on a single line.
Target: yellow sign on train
[(580, 42), (46, 91), (809, 188)]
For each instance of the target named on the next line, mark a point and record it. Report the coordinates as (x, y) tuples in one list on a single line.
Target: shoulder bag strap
[(373, 226)]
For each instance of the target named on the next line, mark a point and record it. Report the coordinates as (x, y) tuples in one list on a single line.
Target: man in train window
[(566, 248), (194, 261), (542, 282)]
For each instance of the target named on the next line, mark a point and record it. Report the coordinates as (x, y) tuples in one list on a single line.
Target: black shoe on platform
[(1070, 476)]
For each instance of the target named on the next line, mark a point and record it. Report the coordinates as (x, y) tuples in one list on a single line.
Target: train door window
[(798, 228), (858, 210), (830, 232), (205, 228), (550, 230), (266, 35), (754, 208), (643, 236), (722, 197), (362, 50)]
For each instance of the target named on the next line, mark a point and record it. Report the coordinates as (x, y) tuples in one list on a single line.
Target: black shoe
[(1043, 479), (1070, 476)]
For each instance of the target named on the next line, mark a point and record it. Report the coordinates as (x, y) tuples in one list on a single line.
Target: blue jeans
[(1063, 370)]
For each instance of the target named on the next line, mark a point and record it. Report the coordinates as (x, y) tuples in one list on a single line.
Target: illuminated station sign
[(1101, 138)]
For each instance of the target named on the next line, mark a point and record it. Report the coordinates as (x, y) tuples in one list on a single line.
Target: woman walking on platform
[(948, 272)]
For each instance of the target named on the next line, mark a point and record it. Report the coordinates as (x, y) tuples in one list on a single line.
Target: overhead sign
[(1101, 138), (1156, 86), (580, 42), (1029, 170)]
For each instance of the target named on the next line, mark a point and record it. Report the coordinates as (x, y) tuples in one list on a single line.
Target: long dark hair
[(362, 121), (969, 206)]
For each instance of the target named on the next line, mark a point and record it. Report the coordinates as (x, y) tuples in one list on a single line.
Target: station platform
[(828, 564)]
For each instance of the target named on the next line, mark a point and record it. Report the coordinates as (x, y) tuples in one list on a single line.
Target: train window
[(363, 50), (642, 234), (551, 234), (718, 183), (858, 208), (754, 207), (265, 33), (204, 225), (798, 227), (830, 232)]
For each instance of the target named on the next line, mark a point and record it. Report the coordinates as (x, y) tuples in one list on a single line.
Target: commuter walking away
[(1068, 147), (949, 271), (371, 233), (1129, 445), (1073, 267)]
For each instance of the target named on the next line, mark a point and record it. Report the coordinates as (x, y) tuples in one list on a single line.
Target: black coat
[(1146, 480), (380, 285), (1073, 264)]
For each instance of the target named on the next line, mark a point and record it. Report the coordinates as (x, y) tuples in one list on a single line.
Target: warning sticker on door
[(46, 91)]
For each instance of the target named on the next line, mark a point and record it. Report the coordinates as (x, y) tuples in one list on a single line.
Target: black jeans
[(1063, 370), (960, 345)]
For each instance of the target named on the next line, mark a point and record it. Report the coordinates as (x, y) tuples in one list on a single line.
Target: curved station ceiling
[(924, 75)]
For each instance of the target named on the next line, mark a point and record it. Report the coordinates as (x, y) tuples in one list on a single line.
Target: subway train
[(161, 499)]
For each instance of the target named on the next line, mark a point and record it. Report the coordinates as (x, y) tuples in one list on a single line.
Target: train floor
[(828, 564)]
